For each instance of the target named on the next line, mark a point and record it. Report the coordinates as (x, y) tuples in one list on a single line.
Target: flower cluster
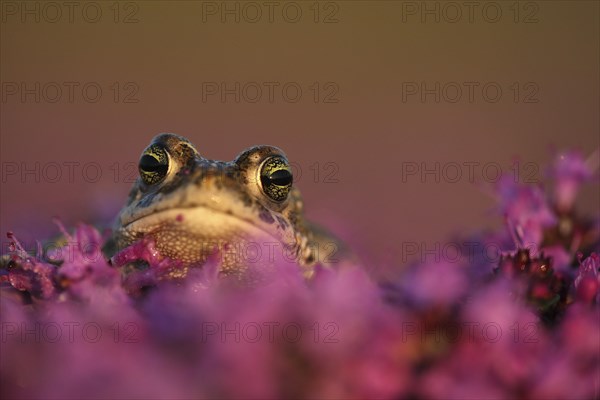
[(77, 325)]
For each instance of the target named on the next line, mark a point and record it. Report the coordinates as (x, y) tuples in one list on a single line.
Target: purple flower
[(29, 274), (435, 284), (526, 210), (518, 324), (587, 282), (570, 364), (568, 171)]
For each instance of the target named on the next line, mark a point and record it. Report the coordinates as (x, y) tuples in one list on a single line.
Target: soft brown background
[(368, 134)]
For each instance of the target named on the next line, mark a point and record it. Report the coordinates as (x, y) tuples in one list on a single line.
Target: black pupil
[(281, 177), (151, 164)]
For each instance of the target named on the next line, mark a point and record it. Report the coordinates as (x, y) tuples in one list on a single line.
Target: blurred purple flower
[(435, 284), (570, 366), (27, 273), (587, 282), (526, 210), (568, 172), (75, 325)]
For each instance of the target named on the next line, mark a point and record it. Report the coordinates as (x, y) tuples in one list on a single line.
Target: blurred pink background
[(361, 120)]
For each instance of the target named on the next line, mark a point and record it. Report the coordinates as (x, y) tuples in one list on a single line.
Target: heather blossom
[(526, 209), (522, 323), (587, 282), (569, 171)]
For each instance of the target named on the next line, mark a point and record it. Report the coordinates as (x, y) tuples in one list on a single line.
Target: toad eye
[(154, 164), (276, 178)]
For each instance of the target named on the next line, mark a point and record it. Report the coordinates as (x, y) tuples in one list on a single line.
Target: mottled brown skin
[(204, 205)]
